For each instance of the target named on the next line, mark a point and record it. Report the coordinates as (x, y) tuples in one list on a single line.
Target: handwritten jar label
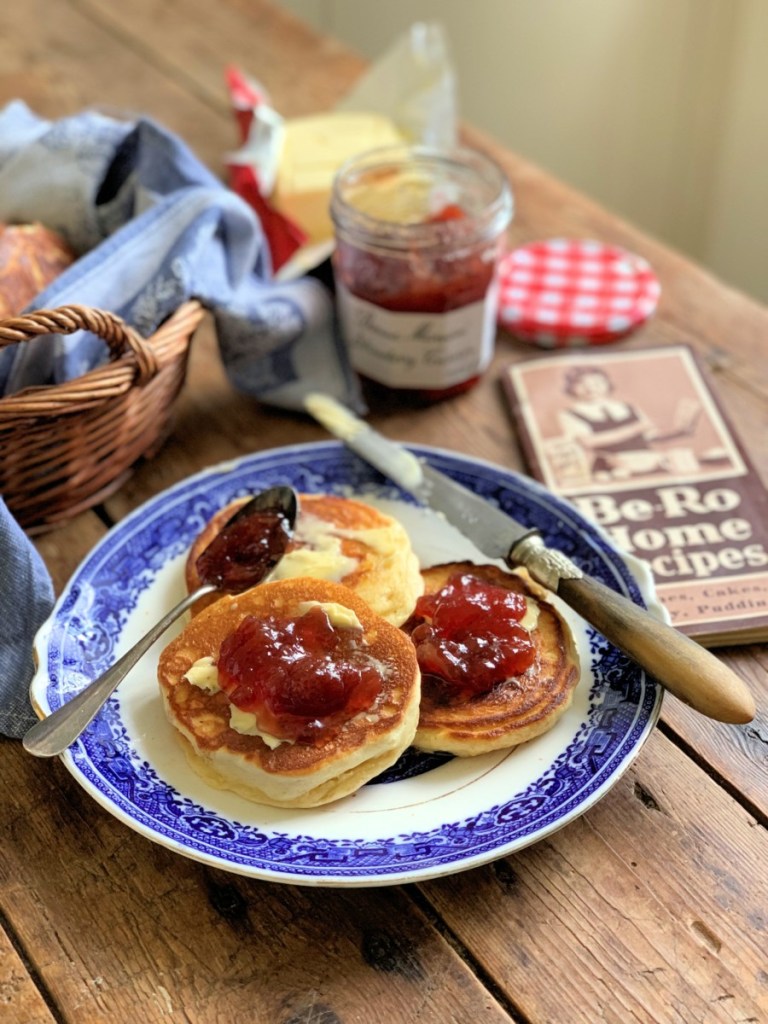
[(418, 350)]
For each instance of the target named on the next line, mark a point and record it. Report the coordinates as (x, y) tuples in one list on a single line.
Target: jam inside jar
[(419, 234)]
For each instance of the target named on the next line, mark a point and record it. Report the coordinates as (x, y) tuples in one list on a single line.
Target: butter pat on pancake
[(342, 540), (288, 773), (514, 710)]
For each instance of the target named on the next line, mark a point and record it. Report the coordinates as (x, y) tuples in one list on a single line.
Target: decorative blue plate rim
[(347, 844)]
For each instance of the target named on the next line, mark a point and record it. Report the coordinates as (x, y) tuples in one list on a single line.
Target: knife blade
[(682, 666)]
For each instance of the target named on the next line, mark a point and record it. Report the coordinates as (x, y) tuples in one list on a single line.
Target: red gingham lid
[(562, 292)]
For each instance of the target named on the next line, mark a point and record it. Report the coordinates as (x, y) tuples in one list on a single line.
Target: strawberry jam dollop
[(302, 678), (468, 636)]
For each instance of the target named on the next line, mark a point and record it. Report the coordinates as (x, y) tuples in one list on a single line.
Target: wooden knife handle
[(680, 664)]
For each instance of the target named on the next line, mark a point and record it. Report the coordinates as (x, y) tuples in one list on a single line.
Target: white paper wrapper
[(413, 84)]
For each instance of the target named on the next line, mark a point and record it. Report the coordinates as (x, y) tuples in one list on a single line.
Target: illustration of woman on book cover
[(617, 436)]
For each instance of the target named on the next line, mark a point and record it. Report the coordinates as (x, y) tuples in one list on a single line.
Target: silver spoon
[(237, 558)]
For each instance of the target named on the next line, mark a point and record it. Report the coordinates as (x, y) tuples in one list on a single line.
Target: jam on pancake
[(300, 677), (294, 693), (470, 638), (498, 659)]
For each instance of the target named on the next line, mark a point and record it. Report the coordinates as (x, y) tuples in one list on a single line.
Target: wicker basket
[(65, 447)]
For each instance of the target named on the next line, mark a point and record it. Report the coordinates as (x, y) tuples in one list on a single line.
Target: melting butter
[(336, 419), (204, 674), (245, 723), (377, 538), (338, 615), (402, 465), (531, 617), (322, 558)]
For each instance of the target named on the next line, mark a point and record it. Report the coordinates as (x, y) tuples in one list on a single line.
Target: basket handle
[(120, 338)]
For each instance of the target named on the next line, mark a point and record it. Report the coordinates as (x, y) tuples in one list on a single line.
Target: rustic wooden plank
[(123, 930), (20, 999), (304, 71), (594, 923), (212, 423), (191, 47), (61, 61), (188, 50), (737, 754), (695, 308)]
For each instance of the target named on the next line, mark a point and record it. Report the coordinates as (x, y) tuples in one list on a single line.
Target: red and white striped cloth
[(561, 293)]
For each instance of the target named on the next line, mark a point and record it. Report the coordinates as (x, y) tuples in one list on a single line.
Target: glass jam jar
[(419, 233)]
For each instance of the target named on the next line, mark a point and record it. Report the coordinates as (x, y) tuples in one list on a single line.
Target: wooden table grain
[(652, 907)]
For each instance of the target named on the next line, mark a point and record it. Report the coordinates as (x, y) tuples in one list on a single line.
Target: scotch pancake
[(343, 540), (292, 773), (517, 709)]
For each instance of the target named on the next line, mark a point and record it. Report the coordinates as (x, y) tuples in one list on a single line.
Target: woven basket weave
[(65, 447)]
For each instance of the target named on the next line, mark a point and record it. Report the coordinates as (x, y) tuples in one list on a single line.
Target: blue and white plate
[(429, 815)]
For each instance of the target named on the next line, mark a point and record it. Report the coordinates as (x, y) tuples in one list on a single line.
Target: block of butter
[(313, 149)]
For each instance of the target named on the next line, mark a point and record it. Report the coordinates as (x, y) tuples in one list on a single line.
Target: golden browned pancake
[(343, 540), (293, 774), (513, 711)]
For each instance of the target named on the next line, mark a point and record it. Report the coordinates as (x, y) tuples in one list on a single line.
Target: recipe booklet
[(639, 443)]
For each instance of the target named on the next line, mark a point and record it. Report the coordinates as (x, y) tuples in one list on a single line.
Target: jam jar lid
[(564, 292)]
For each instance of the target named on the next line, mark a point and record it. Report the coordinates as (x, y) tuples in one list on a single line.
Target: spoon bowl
[(241, 555), (251, 542)]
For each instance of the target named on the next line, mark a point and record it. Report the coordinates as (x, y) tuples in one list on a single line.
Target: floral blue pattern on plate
[(429, 815)]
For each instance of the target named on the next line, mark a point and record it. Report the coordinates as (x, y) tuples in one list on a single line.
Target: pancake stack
[(258, 766), (517, 709), (358, 564)]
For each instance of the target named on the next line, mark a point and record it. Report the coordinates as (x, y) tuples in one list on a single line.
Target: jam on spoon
[(246, 549), (249, 545)]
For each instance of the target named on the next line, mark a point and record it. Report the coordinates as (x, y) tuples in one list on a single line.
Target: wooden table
[(651, 907)]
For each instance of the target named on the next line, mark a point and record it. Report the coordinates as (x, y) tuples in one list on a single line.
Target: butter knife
[(682, 666)]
